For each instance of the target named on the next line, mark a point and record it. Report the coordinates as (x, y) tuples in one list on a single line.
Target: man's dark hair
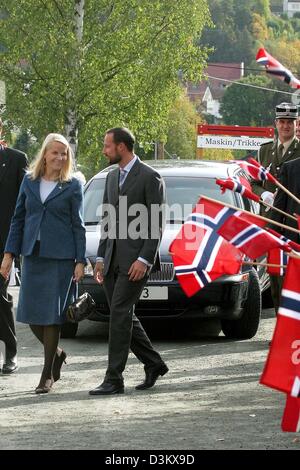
[(122, 135)]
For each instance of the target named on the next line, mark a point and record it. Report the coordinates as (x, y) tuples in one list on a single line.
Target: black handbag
[(81, 309)]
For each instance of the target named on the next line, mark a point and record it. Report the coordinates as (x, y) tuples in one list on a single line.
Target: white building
[(291, 7), (210, 91)]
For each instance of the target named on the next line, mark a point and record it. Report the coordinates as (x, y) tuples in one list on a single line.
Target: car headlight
[(88, 269)]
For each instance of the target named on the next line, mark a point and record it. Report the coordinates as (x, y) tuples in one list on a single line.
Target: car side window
[(93, 197)]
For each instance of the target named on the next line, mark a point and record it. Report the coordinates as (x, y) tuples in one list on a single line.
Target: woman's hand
[(78, 272), (6, 265)]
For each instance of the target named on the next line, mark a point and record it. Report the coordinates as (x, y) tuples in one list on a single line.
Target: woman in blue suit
[(47, 230)]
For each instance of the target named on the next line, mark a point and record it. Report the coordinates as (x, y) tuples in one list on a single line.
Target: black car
[(235, 300)]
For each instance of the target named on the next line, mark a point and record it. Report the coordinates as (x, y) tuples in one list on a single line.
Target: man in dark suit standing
[(12, 169), (290, 179), (127, 250)]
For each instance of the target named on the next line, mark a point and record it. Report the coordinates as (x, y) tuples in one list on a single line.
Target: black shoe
[(152, 376), (57, 364), (9, 367), (107, 389), (45, 387)]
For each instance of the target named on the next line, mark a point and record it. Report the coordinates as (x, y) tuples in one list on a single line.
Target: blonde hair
[(37, 168)]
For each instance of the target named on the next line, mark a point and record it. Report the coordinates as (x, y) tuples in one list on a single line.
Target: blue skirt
[(46, 290)]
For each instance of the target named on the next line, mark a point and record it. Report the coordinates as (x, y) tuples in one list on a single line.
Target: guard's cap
[(286, 111)]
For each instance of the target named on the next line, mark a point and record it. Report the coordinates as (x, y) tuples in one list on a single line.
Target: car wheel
[(247, 325), (69, 330)]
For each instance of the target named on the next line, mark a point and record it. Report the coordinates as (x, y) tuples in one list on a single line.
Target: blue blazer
[(58, 220)]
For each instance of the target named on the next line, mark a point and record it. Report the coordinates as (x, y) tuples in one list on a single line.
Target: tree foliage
[(247, 106), (241, 28), (126, 65), (182, 120), (231, 37)]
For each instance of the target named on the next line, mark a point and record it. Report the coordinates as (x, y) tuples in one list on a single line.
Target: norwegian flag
[(282, 369), (255, 170), (199, 254), (235, 185), (252, 240), (243, 230), (279, 257), (295, 246), (241, 179), (273, 67), (291, 416)]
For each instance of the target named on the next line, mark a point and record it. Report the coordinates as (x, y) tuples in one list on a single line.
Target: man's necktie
[(122, 177), (280, 151)]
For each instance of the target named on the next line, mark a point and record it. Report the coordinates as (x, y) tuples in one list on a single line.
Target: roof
[(227, 71)]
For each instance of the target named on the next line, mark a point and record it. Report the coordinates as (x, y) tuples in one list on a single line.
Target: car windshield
[(182, 193)]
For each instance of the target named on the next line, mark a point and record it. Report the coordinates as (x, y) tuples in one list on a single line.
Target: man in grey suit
[(127, 251)]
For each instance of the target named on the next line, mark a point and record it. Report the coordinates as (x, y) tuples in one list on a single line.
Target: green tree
[(261, 7), (182, 121), (26, 143), (247, 106), (80, 66), (231, 36)]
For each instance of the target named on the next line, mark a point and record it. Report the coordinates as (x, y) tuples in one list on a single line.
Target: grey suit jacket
[(124, 227)]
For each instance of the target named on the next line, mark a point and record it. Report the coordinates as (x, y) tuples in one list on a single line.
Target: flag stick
[(273, 222), (277, 210), (267, 265)]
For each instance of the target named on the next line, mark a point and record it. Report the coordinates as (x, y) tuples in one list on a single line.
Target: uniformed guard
[(285, 147)]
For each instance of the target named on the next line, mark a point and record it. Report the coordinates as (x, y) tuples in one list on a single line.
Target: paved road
[(210, 399)]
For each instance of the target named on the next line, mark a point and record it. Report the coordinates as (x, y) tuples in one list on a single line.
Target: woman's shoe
[(44, 388), (57, 364)]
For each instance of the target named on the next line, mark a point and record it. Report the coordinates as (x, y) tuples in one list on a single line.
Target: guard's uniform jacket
[(268, 158)]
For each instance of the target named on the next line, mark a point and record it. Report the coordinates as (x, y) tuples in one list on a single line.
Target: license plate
[(154, 293)]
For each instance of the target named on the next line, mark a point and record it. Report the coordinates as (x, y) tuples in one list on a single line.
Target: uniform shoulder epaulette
[(267, 143)]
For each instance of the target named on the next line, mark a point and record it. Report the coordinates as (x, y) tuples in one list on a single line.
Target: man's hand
[(6, 265), (98, 272), (137, 271)]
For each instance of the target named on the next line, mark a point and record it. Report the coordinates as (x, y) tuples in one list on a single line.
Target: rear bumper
[(222, 300)]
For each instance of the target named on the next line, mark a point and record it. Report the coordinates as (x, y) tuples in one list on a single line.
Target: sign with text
[(230, 142), (233, 137)]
